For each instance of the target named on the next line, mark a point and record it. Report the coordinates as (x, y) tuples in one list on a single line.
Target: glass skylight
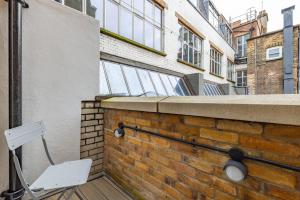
[(124, 80)]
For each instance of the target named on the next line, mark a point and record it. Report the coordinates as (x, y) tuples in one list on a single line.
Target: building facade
[(266, 63), (149, 46), (244, 27)]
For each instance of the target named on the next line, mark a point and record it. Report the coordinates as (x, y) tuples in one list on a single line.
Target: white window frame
[(243, 42), (215, 61), (272, 48), (243, 77), (230, 70), (199, 49), (144, 19)]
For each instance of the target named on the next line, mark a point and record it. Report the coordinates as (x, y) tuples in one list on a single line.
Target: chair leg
[(79, 194), (61, 194), (70, 194)]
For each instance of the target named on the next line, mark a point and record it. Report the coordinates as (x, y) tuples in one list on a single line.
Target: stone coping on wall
[(279, 109)]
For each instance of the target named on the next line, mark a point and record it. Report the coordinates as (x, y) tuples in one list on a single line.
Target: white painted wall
[(60, 69), (125, 50), (3, 95)]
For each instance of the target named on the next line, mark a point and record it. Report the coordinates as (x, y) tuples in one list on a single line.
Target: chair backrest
[(21, 135)]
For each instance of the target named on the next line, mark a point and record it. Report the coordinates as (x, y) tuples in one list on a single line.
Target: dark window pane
[(115, 78), (158, 84), (175, 83), (76, 4), (183, 87), (185, 52), (191, 55), (126, 23), (133, 81), (93, 8)]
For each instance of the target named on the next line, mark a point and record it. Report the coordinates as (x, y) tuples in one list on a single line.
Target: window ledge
[(190, 65), (216, 75), (124, 39), (273, 59), (231, 81)]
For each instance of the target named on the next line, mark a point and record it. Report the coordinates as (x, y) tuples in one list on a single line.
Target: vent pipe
[(288, 50)]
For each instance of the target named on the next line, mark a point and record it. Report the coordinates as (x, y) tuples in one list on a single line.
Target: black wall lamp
[(120, 132), (234, 168)]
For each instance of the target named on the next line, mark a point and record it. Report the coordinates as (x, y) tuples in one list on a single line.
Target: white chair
[(68, 175)]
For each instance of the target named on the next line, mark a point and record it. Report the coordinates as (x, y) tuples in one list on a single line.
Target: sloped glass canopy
[(124, 80)]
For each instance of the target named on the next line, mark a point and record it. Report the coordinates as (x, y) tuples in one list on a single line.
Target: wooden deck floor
[(100, 189)]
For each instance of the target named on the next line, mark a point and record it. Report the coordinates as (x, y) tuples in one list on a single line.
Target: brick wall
[(92, 136), (155, 168), (266, 77)]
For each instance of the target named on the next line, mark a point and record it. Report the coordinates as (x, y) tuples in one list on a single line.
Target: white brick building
[(151, 34)]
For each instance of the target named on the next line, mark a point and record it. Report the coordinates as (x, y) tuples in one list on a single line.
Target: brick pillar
[(92, 137)]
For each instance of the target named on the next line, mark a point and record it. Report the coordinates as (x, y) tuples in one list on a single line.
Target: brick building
[(244, 27), (267, 73)]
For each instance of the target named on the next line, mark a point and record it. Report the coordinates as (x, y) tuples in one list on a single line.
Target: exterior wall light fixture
[(120, 132), (234, 168)]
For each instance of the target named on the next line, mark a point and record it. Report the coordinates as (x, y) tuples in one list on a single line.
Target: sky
[(234, 8)]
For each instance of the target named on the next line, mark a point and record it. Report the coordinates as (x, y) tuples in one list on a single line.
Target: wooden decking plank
[(108, 190), (92, 193)]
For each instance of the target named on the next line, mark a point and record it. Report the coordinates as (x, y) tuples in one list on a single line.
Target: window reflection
[(92, 8), (115, 79), (76, 4), (147, 83), (103, 82), (118, 79), (133, 81), (158, 84)]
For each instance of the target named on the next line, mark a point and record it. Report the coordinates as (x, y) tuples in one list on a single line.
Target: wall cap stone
[(279, 109), (146, 104)]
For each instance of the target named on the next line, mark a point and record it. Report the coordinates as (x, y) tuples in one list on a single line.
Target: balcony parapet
[(279, 109)]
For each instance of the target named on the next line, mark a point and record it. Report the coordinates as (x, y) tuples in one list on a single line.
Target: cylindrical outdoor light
[(119, 132), (234, 168)]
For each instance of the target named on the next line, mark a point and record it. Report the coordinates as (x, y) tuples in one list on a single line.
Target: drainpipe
[(16, 190), (288, 50)]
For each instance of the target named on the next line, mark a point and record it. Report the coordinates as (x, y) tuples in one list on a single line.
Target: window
[(215, 62), (92, 7), (241, 78), (138, 20), (125, 80), (230, 70), (242, 45), (227, 33), (190, 49), (195, 3), (274, 53), (76, 4), (111, 21), (213, 17)]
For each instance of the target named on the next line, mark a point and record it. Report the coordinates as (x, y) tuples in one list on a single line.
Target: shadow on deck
[(99, 189)]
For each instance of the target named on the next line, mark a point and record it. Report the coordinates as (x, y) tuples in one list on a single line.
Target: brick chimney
[(263, 19), (288, 50)]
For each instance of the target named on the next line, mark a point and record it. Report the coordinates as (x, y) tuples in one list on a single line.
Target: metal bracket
[(22, 2), (13, 195)]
